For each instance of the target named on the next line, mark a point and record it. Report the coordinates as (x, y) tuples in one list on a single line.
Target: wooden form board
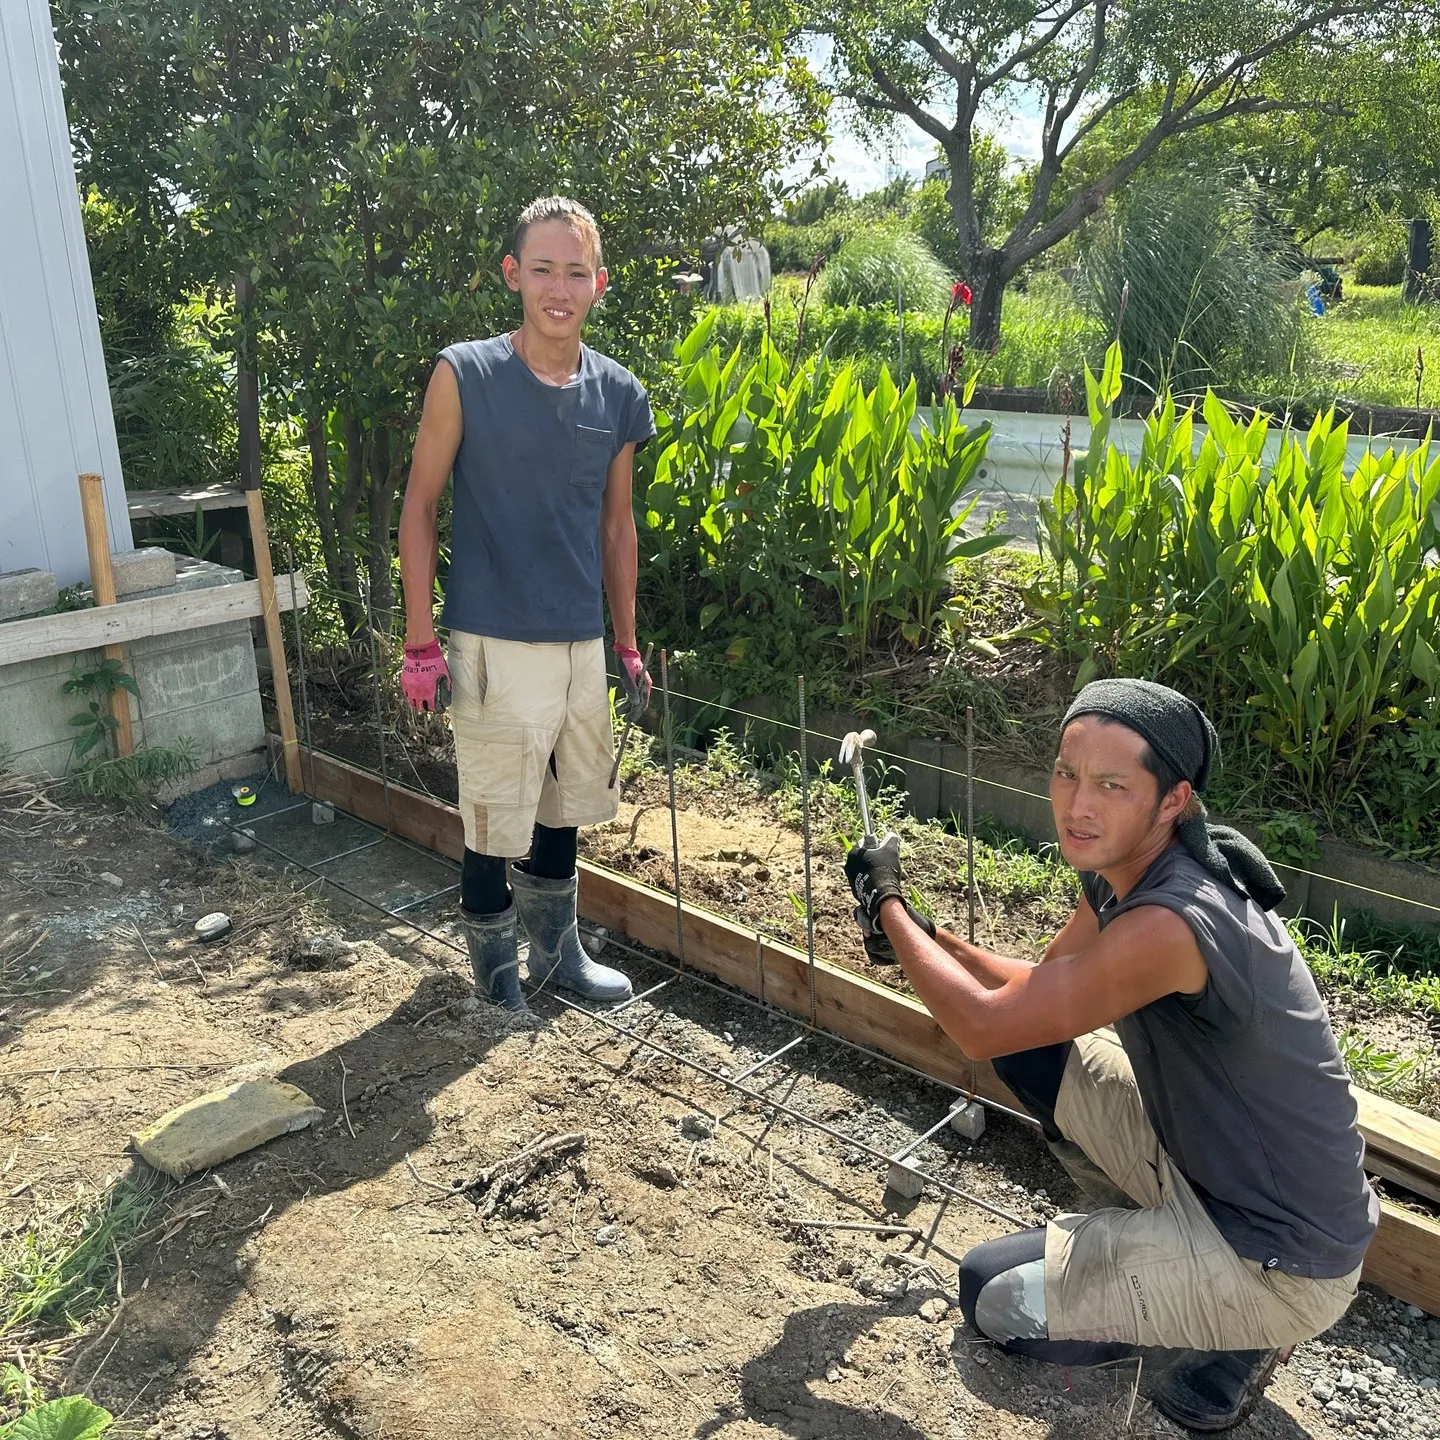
[(73, 630), (152, 504), (1404, 1258)]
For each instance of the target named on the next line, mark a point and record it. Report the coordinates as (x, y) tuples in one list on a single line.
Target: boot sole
[(1238, 1417)]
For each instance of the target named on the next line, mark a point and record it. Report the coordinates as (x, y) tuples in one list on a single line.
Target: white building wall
[(55, 419)]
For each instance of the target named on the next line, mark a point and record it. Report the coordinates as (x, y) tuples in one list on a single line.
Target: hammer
[(852, 753)]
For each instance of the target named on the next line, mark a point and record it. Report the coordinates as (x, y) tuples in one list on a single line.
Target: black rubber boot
[(494, 945), (1213, 1390)]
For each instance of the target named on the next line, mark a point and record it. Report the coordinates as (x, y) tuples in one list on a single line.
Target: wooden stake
[(102, 583), (275, 641)]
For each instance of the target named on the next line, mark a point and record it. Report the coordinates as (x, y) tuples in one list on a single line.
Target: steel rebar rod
[(304, 671), (851, 1141), (674, 817), (805, 841), (760, 1064), (970, 821), (379, 710)]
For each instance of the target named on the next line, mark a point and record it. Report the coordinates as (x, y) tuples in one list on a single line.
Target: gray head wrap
[(1181, 735)]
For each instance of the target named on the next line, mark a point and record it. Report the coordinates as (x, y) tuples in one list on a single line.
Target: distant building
[(937, 169)]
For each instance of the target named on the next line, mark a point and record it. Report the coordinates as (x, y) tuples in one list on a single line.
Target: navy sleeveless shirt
[(529, 477), (1243, 1082)]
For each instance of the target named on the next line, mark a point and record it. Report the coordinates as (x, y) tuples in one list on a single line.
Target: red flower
[(961, 293)]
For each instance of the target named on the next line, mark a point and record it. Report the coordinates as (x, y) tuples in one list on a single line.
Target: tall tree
[(363, 161), (948, 65)]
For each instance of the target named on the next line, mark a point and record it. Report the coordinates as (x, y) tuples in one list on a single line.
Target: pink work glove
[(426, 677), (635, 680)]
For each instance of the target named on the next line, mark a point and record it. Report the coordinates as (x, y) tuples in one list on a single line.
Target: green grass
[(1391, 966), (62, 1268), (1364, 348)]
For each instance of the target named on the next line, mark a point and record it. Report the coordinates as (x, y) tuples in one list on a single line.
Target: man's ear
[(1173, 805), (510, 269), (602, 281)]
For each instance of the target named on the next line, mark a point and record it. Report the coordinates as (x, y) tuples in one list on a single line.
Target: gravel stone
[(934, 1310)]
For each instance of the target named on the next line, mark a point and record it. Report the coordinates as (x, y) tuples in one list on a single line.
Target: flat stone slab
[(215, 1127), (149, 568), (27, 592)]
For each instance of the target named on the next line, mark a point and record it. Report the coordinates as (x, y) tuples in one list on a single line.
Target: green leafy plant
[(132, 779), (1294, 598), (774, 490), (1290, 839), (95, 723), (72, 1418), (193, 539)]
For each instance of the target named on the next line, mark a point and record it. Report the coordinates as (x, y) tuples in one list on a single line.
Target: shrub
[(1293, 598), (1380, 267), (776, 488), (879, 265), (1188, 278)]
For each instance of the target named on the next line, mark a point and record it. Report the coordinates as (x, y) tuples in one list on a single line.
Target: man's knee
[(1002, 1287)]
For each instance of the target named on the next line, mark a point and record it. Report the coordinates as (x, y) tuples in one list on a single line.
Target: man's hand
[(877, 943), (874, 876), (426, 677), (635, 681)]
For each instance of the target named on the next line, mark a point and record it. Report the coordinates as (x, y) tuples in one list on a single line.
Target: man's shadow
[(775, 1387), (190, 1282)]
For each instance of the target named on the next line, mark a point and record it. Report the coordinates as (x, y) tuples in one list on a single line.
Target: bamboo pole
[(102, 583)]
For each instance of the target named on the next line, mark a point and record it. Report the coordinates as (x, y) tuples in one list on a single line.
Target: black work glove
[(874, 875), (877, 942)]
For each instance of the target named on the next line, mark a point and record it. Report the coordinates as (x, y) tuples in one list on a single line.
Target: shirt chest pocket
[(593, 449)]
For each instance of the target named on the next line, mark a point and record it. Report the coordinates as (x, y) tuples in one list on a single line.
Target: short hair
[(562, 208)]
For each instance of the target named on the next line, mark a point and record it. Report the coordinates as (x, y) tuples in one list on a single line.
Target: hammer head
[(852, 747)]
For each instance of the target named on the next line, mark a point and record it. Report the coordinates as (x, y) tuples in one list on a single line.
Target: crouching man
[(1176, 1053), (540, 432)]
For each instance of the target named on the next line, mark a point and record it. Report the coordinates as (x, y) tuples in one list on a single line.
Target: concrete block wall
[(199, 685)]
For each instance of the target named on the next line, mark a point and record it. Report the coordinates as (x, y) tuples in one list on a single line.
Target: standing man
[(540, 432), (1175, 1050)]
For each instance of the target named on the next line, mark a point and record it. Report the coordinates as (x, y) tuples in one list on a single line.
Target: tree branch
[(901, 104), (1030, 51)]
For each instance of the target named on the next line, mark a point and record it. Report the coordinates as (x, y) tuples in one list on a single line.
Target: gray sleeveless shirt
[(1244, 1083), (530, 477)]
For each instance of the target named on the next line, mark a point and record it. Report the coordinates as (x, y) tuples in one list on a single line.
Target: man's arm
[(619, 546), (1144, 954), (436, 444), (1080, 930)]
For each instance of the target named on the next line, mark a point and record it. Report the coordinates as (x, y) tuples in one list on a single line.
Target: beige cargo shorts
[(513, 707), (1162, 1275)]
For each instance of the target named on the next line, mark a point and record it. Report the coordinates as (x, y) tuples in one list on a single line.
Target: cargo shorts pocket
[(492, 763), (592, 455)]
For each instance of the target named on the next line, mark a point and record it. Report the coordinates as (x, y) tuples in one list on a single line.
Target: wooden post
[(248, 387), (102, 583), (274, 640)]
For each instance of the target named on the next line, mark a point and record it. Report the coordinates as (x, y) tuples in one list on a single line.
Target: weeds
[(134, 779), (63, 1268)]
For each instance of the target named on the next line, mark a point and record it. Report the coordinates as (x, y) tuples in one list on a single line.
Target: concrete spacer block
[(968, 1121), (27, 592), (150, 568), (322, 813), (904, 1181)]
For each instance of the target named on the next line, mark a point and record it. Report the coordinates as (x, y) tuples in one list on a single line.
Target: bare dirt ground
[(652, 1281)]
